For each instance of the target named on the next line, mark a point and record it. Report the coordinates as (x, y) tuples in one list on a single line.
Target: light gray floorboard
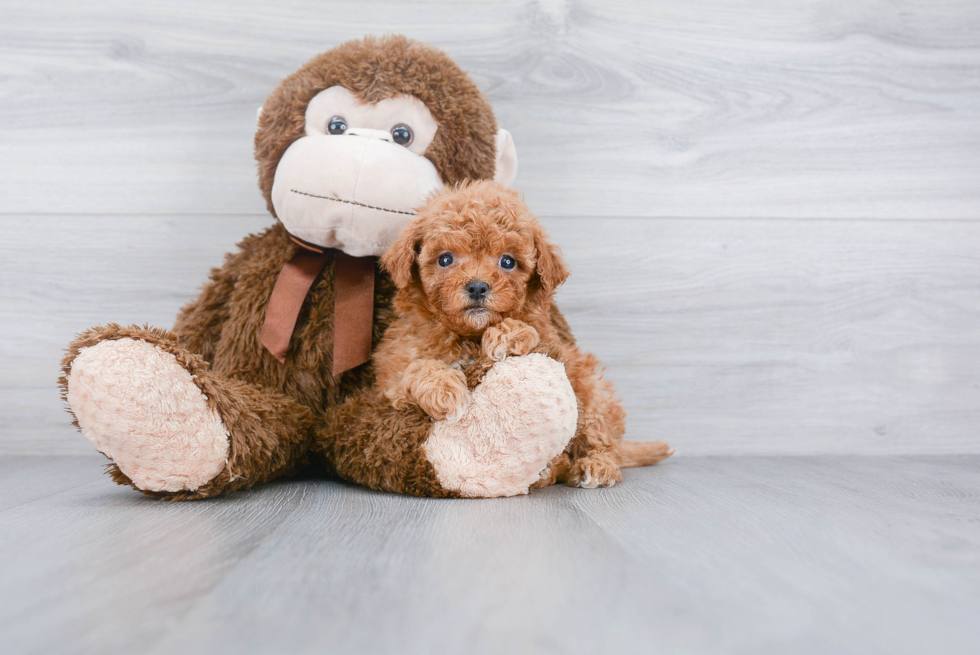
[(697, 555), (626, 107), (24, 479), (723, 336)]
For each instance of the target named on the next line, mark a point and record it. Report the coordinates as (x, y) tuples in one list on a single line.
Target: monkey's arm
[(199, 323)]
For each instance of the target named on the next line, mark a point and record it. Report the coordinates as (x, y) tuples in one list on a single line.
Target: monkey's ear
[(550, 270), (506, 168), (399, 259)]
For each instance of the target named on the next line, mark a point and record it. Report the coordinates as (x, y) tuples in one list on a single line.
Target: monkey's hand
[(507, 338)]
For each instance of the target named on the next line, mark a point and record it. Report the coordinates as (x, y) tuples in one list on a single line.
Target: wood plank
[(618, 107), (723, 336), (697, 555)]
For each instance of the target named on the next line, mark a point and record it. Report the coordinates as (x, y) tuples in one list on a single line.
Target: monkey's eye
[(445, 259), (337, 125), (507, 262), (402, 134)]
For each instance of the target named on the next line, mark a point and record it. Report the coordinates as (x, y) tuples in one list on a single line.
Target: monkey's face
[(351, 143), (356, 177)]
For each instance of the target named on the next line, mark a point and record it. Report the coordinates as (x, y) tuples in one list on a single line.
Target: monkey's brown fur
[(280, 415), (439, 325)]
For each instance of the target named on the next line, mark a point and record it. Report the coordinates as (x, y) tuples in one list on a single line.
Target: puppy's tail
[(642, 453)]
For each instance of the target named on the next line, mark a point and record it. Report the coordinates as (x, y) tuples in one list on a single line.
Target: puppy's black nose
[(477, 289)]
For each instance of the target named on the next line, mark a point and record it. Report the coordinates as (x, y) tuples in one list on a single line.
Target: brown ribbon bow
[(353, 311)]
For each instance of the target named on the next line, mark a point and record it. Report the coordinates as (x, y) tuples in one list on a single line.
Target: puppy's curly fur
[(476, 274)]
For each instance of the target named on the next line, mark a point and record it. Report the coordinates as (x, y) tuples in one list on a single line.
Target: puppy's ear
[(550, 271), (399, 260)]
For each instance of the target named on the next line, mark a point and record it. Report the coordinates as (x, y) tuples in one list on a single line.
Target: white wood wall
[(772, 210)]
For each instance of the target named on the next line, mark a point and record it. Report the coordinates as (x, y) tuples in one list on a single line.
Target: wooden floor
[(698, 555)]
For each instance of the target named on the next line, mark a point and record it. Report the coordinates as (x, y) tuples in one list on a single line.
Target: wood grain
[(723, 336), (696, 555), (668, 108)]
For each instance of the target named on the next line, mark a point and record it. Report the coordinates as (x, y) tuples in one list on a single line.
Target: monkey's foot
[(141, 409), (520, 417)]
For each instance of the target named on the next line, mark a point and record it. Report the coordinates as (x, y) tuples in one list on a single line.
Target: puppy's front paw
[(442, 394), (599, 470), (510, 337)]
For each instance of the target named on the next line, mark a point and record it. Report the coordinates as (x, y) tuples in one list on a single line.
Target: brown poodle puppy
[(476, 275)]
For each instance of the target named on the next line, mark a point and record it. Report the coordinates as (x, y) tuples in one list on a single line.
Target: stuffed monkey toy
[(268, 369)]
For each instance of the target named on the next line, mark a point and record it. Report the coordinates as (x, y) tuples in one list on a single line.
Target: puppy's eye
[(507, 263), (402, 134), (337, 125), (445, 259)]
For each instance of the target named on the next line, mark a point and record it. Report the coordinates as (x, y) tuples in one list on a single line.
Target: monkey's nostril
[(477, 289)]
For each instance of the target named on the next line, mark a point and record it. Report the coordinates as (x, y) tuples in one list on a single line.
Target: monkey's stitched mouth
[(353, 202)]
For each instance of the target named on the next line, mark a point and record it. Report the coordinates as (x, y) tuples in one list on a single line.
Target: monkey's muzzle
[(350, 192)]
